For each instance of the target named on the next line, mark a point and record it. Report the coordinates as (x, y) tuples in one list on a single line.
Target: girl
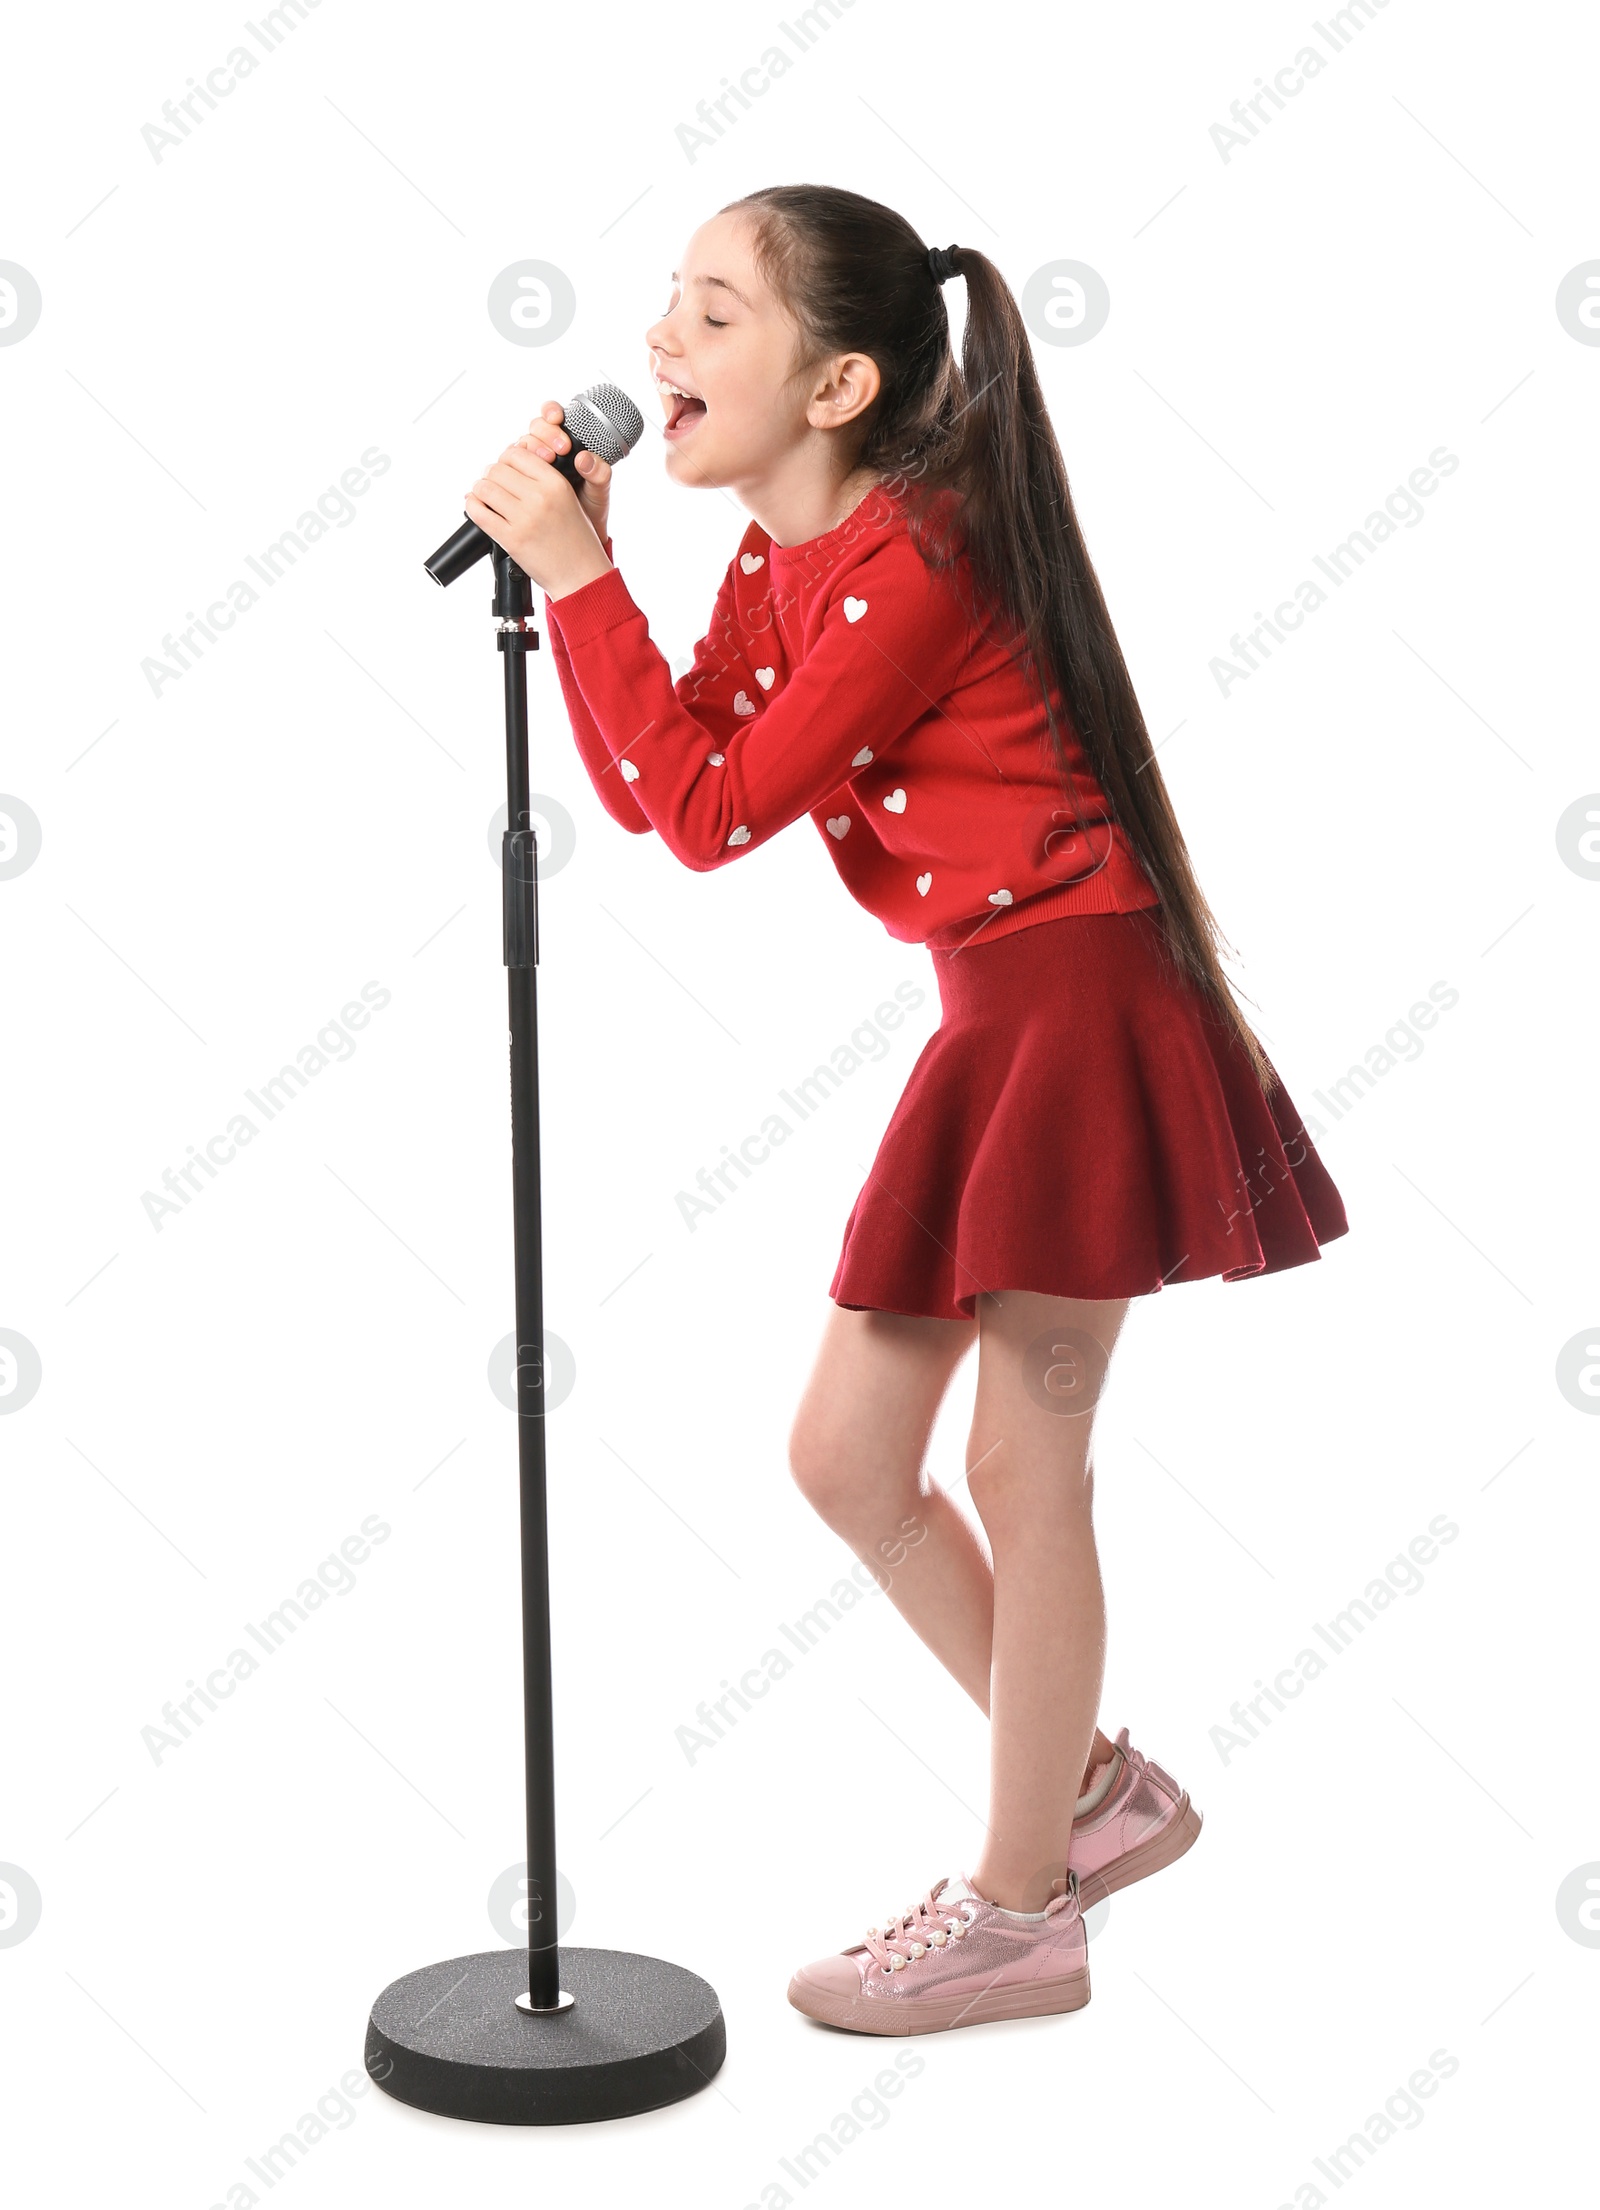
[(910, 645)]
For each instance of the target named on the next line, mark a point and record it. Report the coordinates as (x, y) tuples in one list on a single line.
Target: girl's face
[(723, 356)]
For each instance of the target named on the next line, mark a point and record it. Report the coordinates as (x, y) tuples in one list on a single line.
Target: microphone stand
[(495, 2036)]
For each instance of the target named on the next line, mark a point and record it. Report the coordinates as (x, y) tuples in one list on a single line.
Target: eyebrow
[(722, 282)]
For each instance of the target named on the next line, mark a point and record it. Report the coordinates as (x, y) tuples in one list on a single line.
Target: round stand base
[(638, 2033)]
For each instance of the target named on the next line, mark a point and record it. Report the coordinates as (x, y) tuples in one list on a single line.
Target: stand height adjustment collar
[(519, 873)]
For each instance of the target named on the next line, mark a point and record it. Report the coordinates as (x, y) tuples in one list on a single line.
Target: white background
[(309, 1341)]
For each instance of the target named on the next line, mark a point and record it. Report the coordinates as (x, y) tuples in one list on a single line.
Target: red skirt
[(1081, 1123)]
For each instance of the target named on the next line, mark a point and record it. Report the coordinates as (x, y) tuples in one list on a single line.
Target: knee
[(819, 1464), (992, 1486), (1013, 1491), (839, 1483)]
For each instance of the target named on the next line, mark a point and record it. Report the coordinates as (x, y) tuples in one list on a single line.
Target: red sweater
[(841, 678)]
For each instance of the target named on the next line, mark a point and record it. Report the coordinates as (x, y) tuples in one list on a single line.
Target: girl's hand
[(533, 513), (547, 438)]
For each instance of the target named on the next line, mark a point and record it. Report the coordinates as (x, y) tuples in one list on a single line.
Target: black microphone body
[(602, 420)]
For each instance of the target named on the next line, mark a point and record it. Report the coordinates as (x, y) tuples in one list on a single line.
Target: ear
[(846, 386)]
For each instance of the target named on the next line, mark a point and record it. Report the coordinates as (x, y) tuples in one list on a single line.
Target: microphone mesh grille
[(606, 420)]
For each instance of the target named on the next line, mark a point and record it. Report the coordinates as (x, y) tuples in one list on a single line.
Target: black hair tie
[(942, 261)]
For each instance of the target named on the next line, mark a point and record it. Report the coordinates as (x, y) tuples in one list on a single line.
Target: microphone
[(602, 420)]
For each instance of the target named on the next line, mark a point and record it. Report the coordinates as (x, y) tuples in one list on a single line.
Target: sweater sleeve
[(610, 788), (718, 765)]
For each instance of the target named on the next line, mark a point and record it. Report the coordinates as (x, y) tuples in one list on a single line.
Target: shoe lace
[(908, 1935)]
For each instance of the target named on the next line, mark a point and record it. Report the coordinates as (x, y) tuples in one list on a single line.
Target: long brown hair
[(854, 276)]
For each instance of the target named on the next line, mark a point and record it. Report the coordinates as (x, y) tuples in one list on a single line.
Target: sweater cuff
[(593, 608)]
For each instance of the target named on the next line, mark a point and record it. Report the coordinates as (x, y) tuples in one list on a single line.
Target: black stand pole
[(495, 2036)]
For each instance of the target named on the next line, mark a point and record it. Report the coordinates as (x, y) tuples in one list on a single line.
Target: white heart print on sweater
[(743, 703), (863, 758), (999, 897), (630, 774), (924, 885), (741, 835), (895, 801), (854, 609), (751, 561), (715, 759), (766, 677), (839, 825)]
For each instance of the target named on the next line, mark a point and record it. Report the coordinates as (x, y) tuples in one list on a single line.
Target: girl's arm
[(710, 659), (719, 764), (712, 656), (610, 787)]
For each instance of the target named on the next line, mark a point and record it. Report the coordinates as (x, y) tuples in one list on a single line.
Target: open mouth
[(684, 411)]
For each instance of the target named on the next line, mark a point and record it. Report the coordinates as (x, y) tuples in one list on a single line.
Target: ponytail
[(973, 444)]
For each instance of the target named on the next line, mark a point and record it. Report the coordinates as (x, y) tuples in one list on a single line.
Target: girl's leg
[(857, 1451), (1032, 1483)]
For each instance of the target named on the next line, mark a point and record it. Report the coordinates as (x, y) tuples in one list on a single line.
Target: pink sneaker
[(954, 1960), (1143, 1821)]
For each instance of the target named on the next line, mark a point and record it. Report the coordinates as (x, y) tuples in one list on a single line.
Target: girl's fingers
[(518, 456), (546, 426), (589, 465), (500, 485)]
